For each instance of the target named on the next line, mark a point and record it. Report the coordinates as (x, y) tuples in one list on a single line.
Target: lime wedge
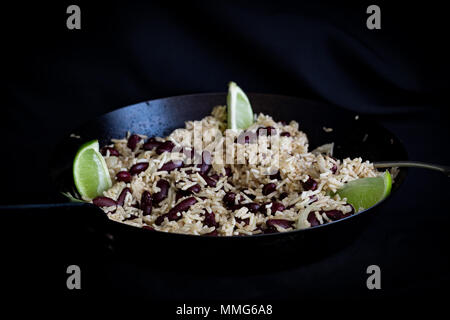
[(366, 192), (90, 173), (240, 113)]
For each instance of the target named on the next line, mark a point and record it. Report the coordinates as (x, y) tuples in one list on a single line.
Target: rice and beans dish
[(204, 179)]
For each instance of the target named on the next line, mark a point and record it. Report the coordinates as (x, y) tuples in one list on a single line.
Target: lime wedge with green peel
[(366, 192), (240, 113), (90, 173)]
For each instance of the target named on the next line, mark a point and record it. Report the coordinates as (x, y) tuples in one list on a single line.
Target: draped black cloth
[(55, 79)]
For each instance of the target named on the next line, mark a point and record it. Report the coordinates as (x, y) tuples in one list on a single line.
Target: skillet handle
[(47, 206), (70, 212), (413, 164), (55, 235)]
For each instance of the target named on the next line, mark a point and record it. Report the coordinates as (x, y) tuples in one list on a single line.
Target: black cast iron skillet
[(352, 137)]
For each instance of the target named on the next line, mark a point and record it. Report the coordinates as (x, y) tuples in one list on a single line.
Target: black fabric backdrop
[(125, 53)]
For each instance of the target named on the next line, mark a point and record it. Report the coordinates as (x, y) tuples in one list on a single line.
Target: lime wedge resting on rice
[(366, 192), (239, 110), (90, 173)]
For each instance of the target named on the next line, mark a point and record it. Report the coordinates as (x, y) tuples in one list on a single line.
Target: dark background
[(56, 79)]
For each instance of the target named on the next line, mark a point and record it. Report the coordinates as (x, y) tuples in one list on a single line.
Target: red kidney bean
[(269, 188), (285, 134), (228, 172), (133, 141), (263, 208), (104, 202), (147, 210), (184, 205), (276, 176), (253, 207), (270, 230), (184, 193), (146, 203), (236, 207), (309, 184), (334, 169), (138, 168), (195, 188), (246, 221), (151, 144), (246, 137), (204, 168), (171, 165), (162, 194), (124, 176), (229, 199), (206, 157), (112, 151), (160, 219), (146, 198), (180, 194), (213, 233), (166, 146), (209, 180), (147, 227), (277, 206), (122, 195), (210, 219), (271, 223), (205, 165), (334, 214), (312, 219)]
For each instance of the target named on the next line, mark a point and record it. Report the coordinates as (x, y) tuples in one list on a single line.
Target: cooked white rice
[(296, 165)]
